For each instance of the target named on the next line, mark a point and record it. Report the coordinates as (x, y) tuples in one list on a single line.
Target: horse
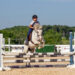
[(37, 40)]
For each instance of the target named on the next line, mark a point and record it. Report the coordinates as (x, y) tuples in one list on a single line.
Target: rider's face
[(34, 19)]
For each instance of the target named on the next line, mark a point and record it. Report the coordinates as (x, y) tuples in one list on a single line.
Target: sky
[(19, 12)]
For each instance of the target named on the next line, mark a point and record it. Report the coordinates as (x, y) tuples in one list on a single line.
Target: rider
[(31, 27)]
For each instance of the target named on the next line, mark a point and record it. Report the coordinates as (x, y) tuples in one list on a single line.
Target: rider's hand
[(30, 26), (33, 28)]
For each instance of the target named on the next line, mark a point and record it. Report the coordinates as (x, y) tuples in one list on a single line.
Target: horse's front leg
[(25, 49), (41, 45)]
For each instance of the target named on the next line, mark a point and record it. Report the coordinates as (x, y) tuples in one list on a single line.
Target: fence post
[(9, 44), (1, 56), (74, 50), (71, 49), (72, 57), (74, 41), (4, 44)]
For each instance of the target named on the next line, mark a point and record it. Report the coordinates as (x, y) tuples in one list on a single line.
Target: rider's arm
[(30, 26)]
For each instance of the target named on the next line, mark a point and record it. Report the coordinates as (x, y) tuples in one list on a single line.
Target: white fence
[(64, 48), (20, 48)]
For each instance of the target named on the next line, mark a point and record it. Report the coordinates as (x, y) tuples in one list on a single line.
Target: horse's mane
[(37, 26)]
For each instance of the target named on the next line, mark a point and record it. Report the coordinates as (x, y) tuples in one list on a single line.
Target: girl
[(31, 27)]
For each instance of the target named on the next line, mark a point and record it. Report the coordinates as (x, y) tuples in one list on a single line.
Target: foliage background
[(53, 34)]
